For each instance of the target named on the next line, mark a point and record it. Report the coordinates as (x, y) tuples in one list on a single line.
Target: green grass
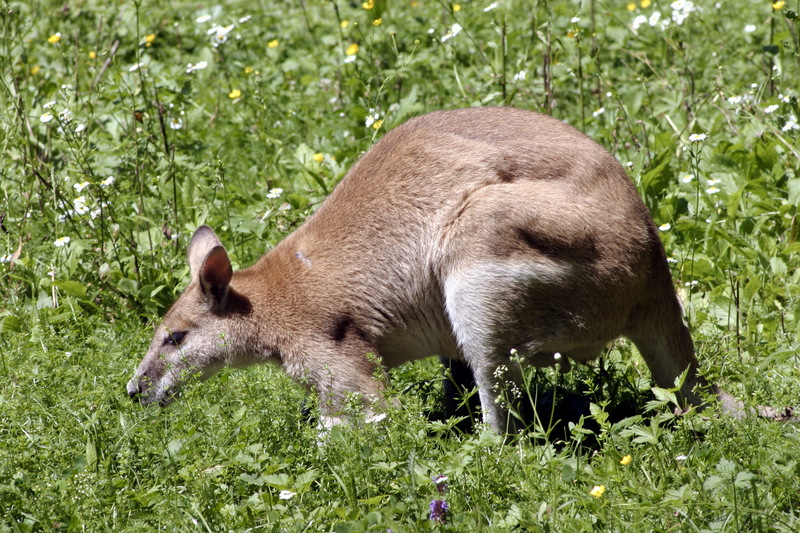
[(278, 106)]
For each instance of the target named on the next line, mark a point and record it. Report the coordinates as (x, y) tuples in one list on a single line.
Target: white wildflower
[(491, 6), (274, 193), (750, 28), (108, 182), (49, 104), (455, 29), (46, 117), (80, 186), (219, 34), (791, 124), (176, 123), (520, 76), (286, 495), (665, 227), (598, 112), (697, 137), (203, 18), (61, 241), (199, 66)]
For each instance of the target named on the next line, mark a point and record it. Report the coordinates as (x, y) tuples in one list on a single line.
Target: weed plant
[(125, 125)]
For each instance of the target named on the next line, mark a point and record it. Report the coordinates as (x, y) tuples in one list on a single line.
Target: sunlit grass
[(125, 125)]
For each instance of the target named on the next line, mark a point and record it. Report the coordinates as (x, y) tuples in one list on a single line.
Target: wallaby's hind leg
[(665, 343)]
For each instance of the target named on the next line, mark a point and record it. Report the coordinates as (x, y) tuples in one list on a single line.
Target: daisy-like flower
[(134, 68), (61, 242), (274, 193), (80, 186), (712, 190), (176, 123), (697, 137), (598, 112), (219, 34), (199, 66), (638, 22), (771, 109), (665, 227), (687, 178), (46, 117), (202, 18), (750, 28), (80, 127), (286, 495), (455, 29), (654, 18), (791, 124), (598, 491), (244, 19), (625, 460), (575, 20), (520, 76), (80, 205), (108, 182), (49, 104), (491, 6)]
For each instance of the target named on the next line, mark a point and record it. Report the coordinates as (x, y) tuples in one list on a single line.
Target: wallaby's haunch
[(463, 234)]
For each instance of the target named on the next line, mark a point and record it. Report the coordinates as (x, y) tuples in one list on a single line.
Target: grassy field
[(125, 125)]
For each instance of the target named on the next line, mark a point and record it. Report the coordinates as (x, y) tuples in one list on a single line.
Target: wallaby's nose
[(135, 390)]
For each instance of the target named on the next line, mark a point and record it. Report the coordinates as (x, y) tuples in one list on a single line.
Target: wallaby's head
[(195, 336)]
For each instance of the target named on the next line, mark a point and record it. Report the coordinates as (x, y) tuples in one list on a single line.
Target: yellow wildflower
[(369, 4), (625, 460), (343, 24), (352, 49), (248, 70), (778, 5), (53, 39), (645, 4), (148, 40), (377, 124), (35, 69), (377, 22), (236, 93), (318, 158), (414, 3), (598, 490), (273, 43), (631, 6), (92, 55), (456, 8)]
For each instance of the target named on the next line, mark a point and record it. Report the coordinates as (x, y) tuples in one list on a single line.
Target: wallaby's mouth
[(144, 393)]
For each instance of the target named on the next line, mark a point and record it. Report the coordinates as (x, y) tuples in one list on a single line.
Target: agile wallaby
[(463, 234)]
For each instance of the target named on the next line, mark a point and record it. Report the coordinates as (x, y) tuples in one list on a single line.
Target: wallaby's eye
[(175, 338)]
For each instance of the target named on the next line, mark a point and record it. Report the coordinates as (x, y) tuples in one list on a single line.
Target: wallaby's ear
[(209, 264)]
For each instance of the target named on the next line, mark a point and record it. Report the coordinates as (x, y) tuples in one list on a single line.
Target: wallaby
[(466, 234)]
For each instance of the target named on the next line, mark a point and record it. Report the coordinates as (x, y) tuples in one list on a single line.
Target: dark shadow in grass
[(552, 409)]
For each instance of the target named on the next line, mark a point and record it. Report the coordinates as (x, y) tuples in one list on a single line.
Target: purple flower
[(441, 483), (439, 510)]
